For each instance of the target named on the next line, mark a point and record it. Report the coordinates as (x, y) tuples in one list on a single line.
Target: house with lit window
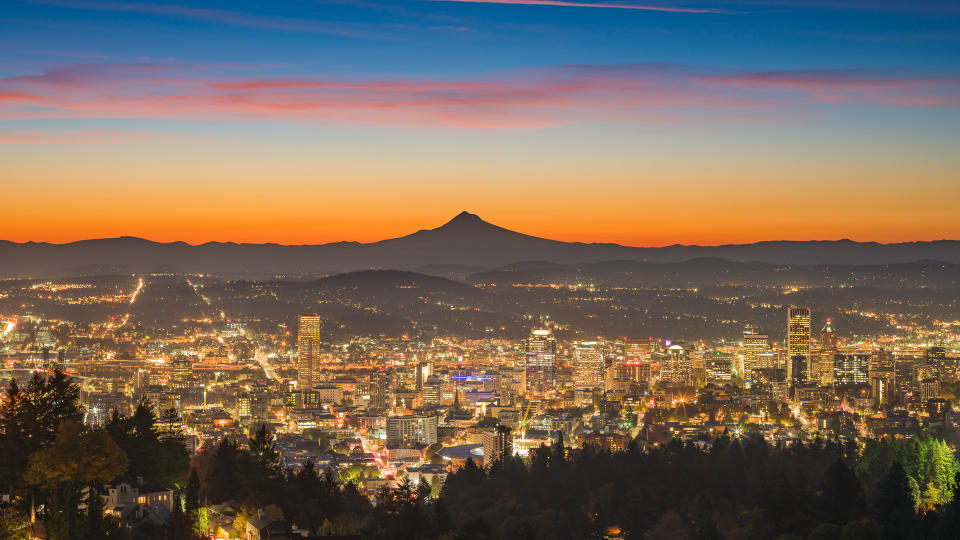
[(132, 500)]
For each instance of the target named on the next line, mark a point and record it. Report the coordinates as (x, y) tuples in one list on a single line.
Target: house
[(131, 500), (264, 527)]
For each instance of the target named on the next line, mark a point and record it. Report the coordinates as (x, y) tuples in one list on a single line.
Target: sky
[(638, 122)]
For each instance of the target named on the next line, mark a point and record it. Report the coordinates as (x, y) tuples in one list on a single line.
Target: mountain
[(466, 242)]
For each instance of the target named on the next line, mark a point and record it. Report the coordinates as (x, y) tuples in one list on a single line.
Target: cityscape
[(479, 270), (393, 388)]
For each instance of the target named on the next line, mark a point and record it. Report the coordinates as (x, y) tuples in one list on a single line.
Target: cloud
[(541, 97), (227, 17), (600, 5)]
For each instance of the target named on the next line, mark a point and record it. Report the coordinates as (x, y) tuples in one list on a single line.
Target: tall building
[(754, 352), (936, 361), (798, 345), (308, 351), (181, 373), (540, 360), (424, 370), (851, 369), (243, 406), (588, 365), (676, 367), (823, 372), (412, 430), (379, 387), (497, 444), (718, 367)]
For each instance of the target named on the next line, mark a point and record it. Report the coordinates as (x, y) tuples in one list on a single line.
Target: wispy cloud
[(630, 93), (231, 18), (601, 5)]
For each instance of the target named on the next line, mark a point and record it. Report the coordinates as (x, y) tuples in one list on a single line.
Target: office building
[(411, 431), (588, 365), (540, 360), (497, 445), (308, 351), (851, 369), (798, 345)]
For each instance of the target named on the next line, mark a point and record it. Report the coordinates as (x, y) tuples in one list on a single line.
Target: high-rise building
[(754, 351), (929, 389), (936, 361), (821, 368), (798, 345), (308, 351), (244, 405), (676, 367), (379, 386), (424, 370), (181, 373), (412, 430), (718, 367), (851, 369), (540, 364), (588, 364), (497, 445)]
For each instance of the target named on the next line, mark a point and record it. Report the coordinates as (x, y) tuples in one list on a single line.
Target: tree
[(29, 418), (192, 505), (13, 526), (79, 457), (841, 497), (223, 481), (895, 502), (263, 447)]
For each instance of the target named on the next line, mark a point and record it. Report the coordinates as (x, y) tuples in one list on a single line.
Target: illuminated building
[(308, 351), (936, 360), (181, 373), (610, 442), (497, 444), (798, 345), (879, 388), (243, 405), (929, 389), (588, 365), (718, 367), (379, 383), (851, 369), (540, 364), (754, 350), (411, 430), (432, 391), (822, 372), (424, 370), (676, 366)]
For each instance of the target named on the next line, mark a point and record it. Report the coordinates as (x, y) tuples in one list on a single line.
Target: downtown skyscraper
[(540, 360), (798, 345), (308, 351)]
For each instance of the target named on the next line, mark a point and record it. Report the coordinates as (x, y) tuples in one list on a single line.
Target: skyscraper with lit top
[(540, 360), (308, 351)]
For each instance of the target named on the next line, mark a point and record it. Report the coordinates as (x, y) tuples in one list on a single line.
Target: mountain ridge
[(466, 240)]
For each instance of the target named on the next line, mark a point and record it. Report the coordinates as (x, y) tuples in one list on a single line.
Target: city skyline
[(640, 124)]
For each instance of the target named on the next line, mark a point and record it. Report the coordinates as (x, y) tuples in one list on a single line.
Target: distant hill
[(714, 271), (466, 243)]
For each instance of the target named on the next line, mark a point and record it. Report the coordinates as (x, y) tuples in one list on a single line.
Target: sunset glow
[(628, 122)]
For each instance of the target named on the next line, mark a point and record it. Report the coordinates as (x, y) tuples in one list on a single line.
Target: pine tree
[(841, 497), (894, 504)]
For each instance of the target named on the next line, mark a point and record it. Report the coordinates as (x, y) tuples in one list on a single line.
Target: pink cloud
[(641, 93)]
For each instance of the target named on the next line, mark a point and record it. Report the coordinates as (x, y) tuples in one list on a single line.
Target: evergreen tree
[(895, 504), (841, 497), (223, 481)]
